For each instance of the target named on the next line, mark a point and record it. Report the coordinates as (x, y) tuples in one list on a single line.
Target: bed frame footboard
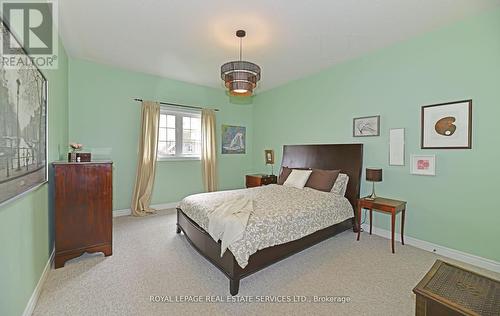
[(208, 248)]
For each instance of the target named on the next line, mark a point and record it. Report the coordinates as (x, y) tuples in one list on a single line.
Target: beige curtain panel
[(146, 159), (208, 150)]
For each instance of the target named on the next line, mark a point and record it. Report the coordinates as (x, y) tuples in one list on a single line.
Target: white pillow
[(340, 185), (297, 178)]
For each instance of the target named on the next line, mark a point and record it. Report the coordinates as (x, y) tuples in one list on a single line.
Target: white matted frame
[(424, 165), (397, 147), (447, 125), (366, 126)]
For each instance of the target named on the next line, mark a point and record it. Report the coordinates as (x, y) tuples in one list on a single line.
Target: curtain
[(208, 150), (146, 159)]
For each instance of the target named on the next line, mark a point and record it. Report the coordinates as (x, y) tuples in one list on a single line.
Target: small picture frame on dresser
[(79, 157)]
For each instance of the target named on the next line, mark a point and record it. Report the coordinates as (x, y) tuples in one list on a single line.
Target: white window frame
[(179, 113)]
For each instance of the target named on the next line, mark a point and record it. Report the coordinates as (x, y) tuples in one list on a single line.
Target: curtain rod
[(180, 105)]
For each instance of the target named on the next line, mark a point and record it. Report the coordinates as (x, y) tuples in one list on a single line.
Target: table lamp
[(373, 175)]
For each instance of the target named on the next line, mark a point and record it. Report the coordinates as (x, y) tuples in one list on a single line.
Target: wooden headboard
[(346, 157)]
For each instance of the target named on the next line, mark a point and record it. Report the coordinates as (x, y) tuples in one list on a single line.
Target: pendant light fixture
[(240, 77)]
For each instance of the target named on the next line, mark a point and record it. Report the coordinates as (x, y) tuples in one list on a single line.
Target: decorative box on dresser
[(83, 201)]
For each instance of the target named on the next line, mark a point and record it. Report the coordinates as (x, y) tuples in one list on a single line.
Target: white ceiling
[(188, 40)]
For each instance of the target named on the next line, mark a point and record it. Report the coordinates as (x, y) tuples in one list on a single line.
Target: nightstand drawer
[(255, 180), (268, 180), (252, 182)]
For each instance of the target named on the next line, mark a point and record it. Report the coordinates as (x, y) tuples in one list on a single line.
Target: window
[(179, 134)]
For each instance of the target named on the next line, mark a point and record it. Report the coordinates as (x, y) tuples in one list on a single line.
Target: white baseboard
[(30, 307), (124, 212), (441, 250), (127, 211)]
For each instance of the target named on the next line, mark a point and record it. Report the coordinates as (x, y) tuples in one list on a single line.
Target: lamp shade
[(374, 174)]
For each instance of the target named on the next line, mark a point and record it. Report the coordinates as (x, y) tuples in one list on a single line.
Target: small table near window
[(257, 180), (385, 205)]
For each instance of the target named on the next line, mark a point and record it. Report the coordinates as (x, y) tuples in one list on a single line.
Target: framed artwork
[(233, 139), (366, 126), (447, 125), (269, 154), (23, 126), (424, 165), (397, 147)]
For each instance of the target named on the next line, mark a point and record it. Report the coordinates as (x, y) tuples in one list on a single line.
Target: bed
[(252, 254)]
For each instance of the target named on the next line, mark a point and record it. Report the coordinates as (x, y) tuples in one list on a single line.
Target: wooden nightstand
[(256, 180), (385, 205)]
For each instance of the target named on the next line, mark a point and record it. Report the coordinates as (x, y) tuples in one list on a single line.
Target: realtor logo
[(31, 26)]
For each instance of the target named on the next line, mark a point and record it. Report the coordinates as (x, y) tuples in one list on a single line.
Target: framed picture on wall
[(366, 126), (447, 125), (424, 165), (397, 147), (233, 139), (23, 122), (269, 155)]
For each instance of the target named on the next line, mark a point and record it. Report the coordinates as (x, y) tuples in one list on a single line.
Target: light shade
[(240, 77), (374, 174)]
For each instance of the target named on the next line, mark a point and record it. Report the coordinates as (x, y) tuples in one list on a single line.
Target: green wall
[(455, 208), (103, 115), (26, 237)]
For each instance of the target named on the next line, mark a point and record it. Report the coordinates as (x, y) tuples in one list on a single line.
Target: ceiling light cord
[(241, 40)]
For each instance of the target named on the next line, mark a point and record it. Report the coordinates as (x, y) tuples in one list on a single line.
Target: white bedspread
[(281, 214), (229, 219)]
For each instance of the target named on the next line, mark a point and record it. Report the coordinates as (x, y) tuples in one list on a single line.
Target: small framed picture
[(447, 125), (269, 153), (424, 165), (366, 126)]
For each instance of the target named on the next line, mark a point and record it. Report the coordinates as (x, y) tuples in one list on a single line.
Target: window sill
[(178, 159)]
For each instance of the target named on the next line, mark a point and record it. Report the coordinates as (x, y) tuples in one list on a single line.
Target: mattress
[(281, 214)]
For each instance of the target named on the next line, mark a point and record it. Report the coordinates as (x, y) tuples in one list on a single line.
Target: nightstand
[(387, 206), (256, 180)]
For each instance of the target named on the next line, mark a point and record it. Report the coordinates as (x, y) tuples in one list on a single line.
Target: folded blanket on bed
[(229, 219)]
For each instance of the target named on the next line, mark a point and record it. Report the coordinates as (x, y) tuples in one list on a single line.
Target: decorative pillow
[(322, 180), (340, 186), (297, 178), (285, 172)]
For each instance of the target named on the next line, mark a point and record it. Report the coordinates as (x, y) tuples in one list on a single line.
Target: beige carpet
[(149, 258)]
